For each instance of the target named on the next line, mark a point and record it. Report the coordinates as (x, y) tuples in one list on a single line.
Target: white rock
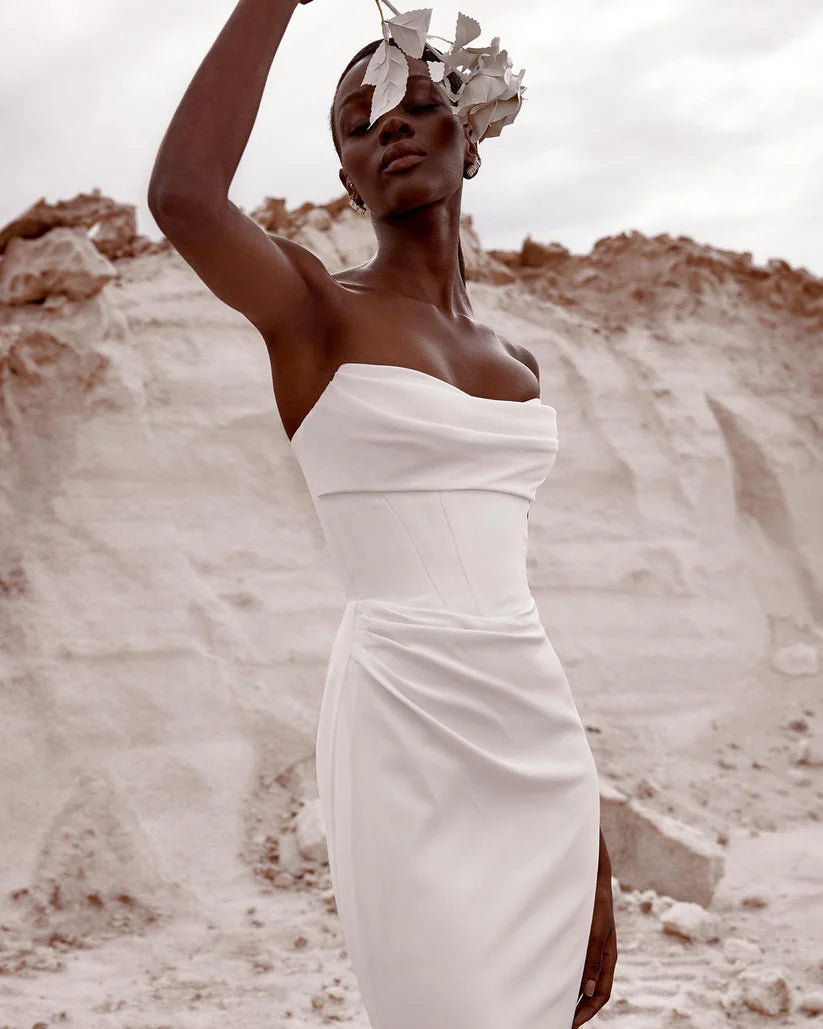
[(654, 851), (764, 990), (690, 921), (811, 1003), (311, 836), (797, 659), (807, 752)]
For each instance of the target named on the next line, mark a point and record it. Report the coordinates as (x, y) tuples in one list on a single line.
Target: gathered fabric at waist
[(460, 551), (490, 687)]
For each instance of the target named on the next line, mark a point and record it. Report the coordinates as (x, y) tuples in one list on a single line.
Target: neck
[(417, 256)]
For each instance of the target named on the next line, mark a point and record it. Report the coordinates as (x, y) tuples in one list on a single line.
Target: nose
[(394, 122)]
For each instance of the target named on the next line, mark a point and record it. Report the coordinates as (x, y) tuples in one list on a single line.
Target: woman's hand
[(601, 956)]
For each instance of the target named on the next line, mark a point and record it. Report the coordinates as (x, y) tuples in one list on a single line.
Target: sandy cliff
[(166, 611)]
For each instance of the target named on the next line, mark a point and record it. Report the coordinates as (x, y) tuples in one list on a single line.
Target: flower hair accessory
[(490, 96)]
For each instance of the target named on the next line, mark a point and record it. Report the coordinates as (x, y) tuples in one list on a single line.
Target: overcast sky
[(694, 117)]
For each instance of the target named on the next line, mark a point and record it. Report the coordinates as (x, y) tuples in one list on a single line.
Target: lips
[(399, 150)]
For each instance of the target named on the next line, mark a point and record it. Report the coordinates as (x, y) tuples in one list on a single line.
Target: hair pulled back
[(429, 54)]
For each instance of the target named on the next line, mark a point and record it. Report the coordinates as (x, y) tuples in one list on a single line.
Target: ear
[(472, 151), (346, 182)]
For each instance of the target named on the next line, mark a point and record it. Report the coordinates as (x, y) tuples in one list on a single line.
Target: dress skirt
[(461, 806)]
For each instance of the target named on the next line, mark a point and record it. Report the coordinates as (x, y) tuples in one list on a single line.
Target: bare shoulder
[(309, 315), (322, 284), (523, 355), (279, 286), (303, 258)]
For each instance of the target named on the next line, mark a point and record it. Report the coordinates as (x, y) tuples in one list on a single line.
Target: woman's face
[(424, 117)]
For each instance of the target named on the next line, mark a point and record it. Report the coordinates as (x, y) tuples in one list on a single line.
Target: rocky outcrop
[(112, 227), (63, 263), (631, 276)]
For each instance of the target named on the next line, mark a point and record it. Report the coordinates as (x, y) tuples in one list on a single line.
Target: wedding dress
[(457, 788)]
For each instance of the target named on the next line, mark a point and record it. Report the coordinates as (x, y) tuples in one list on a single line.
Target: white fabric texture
[(457, 787)]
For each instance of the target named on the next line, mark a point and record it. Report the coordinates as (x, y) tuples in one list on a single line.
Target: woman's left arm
[(601, 957)]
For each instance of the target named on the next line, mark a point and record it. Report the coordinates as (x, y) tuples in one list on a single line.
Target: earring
[(357, 207), (472, 169)]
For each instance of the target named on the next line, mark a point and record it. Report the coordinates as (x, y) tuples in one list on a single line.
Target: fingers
[(589, 1006), (591, 975), (594, 962), (608, 966)]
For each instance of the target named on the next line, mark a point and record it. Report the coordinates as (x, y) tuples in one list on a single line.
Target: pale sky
[(693, 117)]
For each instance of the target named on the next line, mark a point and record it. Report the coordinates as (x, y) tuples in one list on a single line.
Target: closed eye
[(362, 128)]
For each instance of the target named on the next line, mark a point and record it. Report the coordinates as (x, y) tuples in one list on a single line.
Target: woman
[(457, 787)]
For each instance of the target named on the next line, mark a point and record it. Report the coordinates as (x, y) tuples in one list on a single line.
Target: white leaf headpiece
[(489, 97)]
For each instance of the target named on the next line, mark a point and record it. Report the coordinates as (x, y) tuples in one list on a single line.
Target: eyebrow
[(364, 90)]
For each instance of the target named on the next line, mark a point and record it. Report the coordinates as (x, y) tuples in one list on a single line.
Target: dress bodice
[(423, 490)]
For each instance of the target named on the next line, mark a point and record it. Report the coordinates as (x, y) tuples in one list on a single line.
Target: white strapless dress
[(457, 788)]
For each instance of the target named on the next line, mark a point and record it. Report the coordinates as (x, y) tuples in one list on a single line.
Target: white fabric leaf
[(388, 72), (409, 30), (467, 29), (490, 95)]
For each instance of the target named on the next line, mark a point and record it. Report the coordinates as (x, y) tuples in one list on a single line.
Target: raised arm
[(273, 281), (207, 136)]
